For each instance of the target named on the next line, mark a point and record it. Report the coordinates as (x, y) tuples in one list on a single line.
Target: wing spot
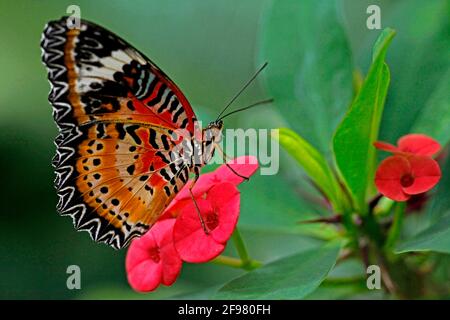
[(95, 85), (118, 76), (96, 162), (104, 189), (149, 189), (152, 139), (165, 142), (167, 190), (130, 169), (130, 105), (115, 202), (164, 174)]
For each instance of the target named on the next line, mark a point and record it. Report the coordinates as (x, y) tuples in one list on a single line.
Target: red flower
[(244, 166), (157, 256), (218, 200), (414, 143), (152, 259), (411, 170), (220, 212), (399, 177)]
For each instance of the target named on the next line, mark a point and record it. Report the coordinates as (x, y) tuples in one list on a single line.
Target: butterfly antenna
[(247, 107), (243, 88)]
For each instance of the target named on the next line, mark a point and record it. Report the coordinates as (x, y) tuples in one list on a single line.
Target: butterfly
[(119, 159), (128, 138)]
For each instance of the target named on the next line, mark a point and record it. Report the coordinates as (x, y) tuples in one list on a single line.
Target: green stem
[(394, 231), (236, 263), (372, 229), (245, 262), (240, 246), (352, 230)]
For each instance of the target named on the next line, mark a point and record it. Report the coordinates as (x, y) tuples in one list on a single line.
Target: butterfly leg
[(225, 158), (236, 173), (197, 175)]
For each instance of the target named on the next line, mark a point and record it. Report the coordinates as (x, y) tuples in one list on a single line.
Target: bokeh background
[(209, 48)]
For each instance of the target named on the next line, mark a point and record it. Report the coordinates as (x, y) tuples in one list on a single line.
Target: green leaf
[(281, 211), (440, 202), (293, 277), (310, 67), (435, 238), (420, 74), (353, 140), (313, 163), (435, 118)]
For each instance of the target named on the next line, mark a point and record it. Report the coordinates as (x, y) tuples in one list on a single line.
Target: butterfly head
[(213, 132)]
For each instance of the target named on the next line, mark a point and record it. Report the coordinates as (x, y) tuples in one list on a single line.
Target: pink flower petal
[(418, 144), (225, 198), (385, 146), (191, 241), (388, 177), (152, 259), (426, 173), (171, 260), (245, 166), (145, 277), (143, 273), (204, 183)]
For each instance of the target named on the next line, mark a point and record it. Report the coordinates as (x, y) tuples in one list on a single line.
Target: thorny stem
[(376, 248), (385, 274)]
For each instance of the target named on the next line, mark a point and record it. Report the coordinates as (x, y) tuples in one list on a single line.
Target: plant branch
[(240, 246), (236, 263), (394, 231)]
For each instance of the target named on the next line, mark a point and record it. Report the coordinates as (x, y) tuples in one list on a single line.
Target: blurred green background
[(208, 48)]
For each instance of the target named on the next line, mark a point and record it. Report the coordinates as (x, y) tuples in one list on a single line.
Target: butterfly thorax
[(211, 136)]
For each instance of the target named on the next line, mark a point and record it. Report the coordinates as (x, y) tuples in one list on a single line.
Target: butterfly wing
[(116, 112)]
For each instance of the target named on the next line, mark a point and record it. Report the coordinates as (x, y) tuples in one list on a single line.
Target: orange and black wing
[(117, 114)]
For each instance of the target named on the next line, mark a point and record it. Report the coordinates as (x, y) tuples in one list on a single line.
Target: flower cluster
[(180, 235), (410, 170)]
